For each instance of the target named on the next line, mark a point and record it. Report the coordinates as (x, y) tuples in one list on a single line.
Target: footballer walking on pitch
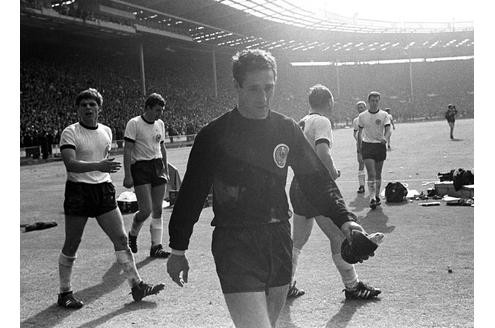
[(450, 117), (360, 107), (244, 154), (89, 192), (374, 131), (317, 129), (393, 127), (146, 168)]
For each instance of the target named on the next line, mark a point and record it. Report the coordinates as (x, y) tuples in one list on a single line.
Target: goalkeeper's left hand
[(347, 228)]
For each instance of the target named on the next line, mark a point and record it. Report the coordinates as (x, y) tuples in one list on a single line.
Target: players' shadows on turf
[(285, 320), (126, 308), (375, 221), (112, 279), (341, 319), (359, 203)]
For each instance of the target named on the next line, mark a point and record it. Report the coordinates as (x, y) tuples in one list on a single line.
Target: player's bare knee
[(143, 214)]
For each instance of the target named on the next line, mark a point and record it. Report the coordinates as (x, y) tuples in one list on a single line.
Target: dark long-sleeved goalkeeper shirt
[(246, 161)]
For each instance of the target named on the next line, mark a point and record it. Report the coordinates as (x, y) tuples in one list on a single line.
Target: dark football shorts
[(253, 259), (374, 151), (148, 172), (90, 200), (300, 204)]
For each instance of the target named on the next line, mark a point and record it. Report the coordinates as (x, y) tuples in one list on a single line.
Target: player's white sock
[(126, 261), (347, 271), (295, 258), (136, 226), (361, 177), (371, 188), (378, 185), (156, 230), (65, 264)]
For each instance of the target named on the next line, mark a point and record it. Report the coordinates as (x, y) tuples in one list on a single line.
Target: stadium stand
[(59, 61)]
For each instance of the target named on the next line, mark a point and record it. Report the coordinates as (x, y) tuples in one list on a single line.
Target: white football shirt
[(316, 128), (373, 125), (146, 136), (92, 145)]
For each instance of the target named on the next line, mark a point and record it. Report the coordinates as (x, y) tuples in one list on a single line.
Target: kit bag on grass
[(395, 192)]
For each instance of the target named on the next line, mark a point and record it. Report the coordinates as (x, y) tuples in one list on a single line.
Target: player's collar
[(144, 119), (88, 127), (373, 112), (236, 111), (315, 113)]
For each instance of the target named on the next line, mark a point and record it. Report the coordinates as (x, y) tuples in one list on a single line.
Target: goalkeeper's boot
[(294, 292), (361, 292), (68, 301), (133, 243), (143, 289), (378, 201), (372, 203), (361, 190)]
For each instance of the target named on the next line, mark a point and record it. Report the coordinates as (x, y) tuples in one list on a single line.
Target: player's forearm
[(315, 181), (127, 161), (164, 158), (192, 194), (388, 132), (327, 160), (78, 166), (187, 208)]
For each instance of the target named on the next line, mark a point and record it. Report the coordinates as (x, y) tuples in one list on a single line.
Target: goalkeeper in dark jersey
[(244, 155)]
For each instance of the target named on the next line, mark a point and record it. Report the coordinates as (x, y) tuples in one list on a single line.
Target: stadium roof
[(282, 25)]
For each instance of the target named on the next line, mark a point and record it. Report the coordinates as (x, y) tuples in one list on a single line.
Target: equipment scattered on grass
[(127, 202), (429, 204), (395, 192), (38, 226)]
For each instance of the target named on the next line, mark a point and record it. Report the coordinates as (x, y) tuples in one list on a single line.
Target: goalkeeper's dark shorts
[(300, 204), (374, 151), (253, 259)]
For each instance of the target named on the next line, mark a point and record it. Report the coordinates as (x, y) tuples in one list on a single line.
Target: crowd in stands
[(50, 81), (434, 86), (51, 77)]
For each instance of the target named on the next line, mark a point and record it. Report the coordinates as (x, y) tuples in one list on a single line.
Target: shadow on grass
[(375, 221), (111, 280), (128, 307), (455, 139), (359, 203), (341, 319), (285, 320)]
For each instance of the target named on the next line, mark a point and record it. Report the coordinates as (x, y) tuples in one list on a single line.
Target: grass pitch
[(410, 266)]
